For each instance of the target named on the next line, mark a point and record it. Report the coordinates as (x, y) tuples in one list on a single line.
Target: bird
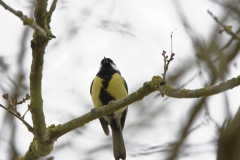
[(108, 86)]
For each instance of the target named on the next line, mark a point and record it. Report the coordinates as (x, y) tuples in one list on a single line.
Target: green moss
[(53, 128), (145, 84), (228, 29), (167, 89), (156, 80), (28, 21), (34, 146), (184, 91), (51, 131)]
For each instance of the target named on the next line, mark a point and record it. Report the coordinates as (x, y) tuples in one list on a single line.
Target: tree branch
[(146, 89), (26, 21), (203, 92), (228, 29), (41, 144)]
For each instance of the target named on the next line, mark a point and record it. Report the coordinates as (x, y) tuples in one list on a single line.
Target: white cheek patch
[(114, 67), (100, 68)]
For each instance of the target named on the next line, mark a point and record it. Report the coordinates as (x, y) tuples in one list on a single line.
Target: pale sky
[(133, 34)]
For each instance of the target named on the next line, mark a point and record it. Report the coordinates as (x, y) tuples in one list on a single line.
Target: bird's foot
[(93, 110), (110, 102)]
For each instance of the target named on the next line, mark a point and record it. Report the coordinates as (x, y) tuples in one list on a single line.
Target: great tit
[(108, 86)]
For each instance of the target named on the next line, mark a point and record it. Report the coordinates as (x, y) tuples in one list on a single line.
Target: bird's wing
[(104, 124)]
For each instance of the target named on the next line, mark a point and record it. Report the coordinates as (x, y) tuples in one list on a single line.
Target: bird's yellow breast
[(116, 88), (96, 87)]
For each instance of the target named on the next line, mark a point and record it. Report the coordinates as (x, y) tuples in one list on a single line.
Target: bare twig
[(227, 29), (26, 112), (166, 64), (27, 97), (209, 118), (26, 21), (167, 61), (12, 103), (29, 127), (48, 19), (52, 8), (230, 41)]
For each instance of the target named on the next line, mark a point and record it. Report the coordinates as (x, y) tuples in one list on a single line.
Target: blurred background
[(133, 34)]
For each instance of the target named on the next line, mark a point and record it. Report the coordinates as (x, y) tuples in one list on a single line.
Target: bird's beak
[(105, 60)]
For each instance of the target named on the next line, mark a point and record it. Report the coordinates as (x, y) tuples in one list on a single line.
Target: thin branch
[(52, 8), (209, 118), (26, 112), (166, 65), (26, 21), (12, 102), (29, 127), (202, 92), (48, 19), (167, 62), (228, 29), (27, 97), (230, 41), (185, 131)]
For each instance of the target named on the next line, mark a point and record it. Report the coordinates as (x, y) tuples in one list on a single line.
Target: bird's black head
[(108, 65), (107, 60)]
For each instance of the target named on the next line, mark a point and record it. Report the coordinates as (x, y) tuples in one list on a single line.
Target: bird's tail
[(118, 144)]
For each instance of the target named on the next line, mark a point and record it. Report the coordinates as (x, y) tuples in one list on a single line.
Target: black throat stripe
[(106, 74), (104, 96)]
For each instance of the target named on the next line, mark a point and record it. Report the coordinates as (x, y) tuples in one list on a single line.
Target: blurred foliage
[(213, 59)]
